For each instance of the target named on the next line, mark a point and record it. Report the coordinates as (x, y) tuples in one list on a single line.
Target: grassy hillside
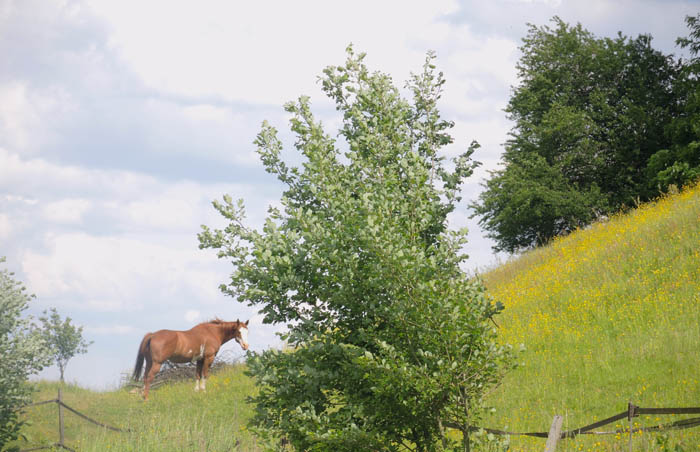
[(607, 315), (175, 418)]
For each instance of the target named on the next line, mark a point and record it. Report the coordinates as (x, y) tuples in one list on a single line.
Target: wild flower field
[(606, 315)]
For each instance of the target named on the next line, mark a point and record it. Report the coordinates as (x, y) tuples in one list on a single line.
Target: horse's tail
[(143, 349)]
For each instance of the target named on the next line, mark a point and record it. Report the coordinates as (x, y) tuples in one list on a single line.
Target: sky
[(121, 121)]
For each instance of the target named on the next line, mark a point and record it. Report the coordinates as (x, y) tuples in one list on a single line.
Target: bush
[(23, 353)]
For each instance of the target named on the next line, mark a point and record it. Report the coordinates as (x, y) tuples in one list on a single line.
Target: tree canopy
[(680, 163), (600, 124), (64, 339), (389, 339)]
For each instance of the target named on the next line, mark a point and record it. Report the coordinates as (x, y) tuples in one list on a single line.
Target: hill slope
[(175, 418), (607, 315)]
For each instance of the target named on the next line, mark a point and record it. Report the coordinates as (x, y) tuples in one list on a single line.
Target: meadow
[(605, 316), (175, 418)]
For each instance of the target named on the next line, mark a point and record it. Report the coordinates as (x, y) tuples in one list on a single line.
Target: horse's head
[(241, 334)]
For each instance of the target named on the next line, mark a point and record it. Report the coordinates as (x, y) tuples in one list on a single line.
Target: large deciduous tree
[(679, 164), (589, 116), (23, 353), (390, 342)]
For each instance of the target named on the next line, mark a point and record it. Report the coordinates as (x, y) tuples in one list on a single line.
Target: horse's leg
[(152, 369), (198, 375), (146, 383), (205, 371)]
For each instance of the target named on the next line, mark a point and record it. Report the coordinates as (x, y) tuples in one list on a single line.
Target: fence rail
[(554, 433), (632, 412), (61, 442)]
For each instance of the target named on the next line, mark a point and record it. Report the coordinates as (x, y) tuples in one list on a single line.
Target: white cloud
[(192, 315), (221, 133), (206, 114), (482, 58), (27, 112), (110, 330), (37, 176), (117, 273), (489, 130), (66, 210), (112, 240), (134, 201), (5, 227), (264, 51), (16, 115), (176, 208)]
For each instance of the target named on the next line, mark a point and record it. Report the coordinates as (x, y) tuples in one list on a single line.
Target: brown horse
[(199, 344)]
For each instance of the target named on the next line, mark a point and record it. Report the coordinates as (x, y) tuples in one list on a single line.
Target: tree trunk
[(465, 439), (465, 431), (61, 434), (443, 435)]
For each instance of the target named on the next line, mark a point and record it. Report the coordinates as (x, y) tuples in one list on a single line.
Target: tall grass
[(175, 418), (607, 315)]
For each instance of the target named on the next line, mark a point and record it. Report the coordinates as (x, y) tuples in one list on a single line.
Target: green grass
[(607, 315), (175, 418)]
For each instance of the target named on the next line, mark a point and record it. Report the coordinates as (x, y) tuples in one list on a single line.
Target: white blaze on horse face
[(244, 338)]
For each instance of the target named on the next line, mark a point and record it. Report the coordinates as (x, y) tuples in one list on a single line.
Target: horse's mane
[(217, 321), (214, 321)]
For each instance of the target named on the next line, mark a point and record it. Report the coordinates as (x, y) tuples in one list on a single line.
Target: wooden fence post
[(60, 418), (554, 434), (631, 413)]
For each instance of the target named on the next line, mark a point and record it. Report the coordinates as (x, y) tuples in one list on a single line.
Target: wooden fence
[(631, 412), (553, 436), (61, 433)]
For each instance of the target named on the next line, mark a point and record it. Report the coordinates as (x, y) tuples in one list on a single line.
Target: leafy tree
[(64, 339), (679, 164), (542, 204), (23, 354), (692, 41), (390, 341), (589, 115)]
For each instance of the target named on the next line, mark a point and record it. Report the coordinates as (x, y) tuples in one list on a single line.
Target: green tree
[(679, 164), (389, 340), (589, 115), (23, 354), (64, 339), (542, 204)]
